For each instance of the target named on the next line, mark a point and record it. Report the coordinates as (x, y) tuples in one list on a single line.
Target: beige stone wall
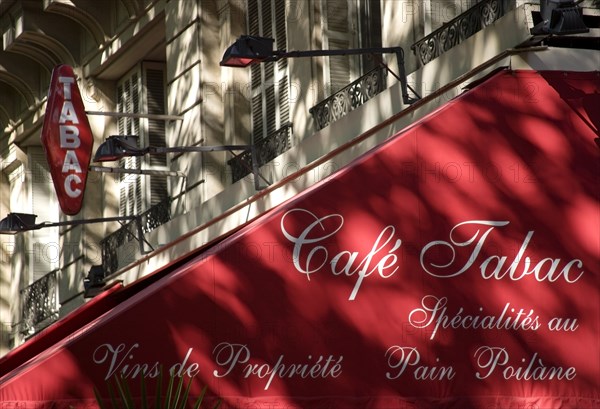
[(213, 107), (6, 249)]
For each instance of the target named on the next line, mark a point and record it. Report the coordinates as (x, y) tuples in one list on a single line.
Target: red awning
[(456, 265)]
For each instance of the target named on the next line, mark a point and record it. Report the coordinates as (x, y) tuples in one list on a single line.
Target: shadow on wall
[(434, 269)]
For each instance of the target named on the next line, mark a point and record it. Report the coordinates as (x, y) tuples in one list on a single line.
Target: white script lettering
[(493, 267), (434, 313), (492, 359), (119, 361), (400, 358), (229, 356), (309, 257)]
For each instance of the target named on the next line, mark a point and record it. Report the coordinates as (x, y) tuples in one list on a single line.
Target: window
[(142, 91), (349, 24), (270, 83), (45, 250)]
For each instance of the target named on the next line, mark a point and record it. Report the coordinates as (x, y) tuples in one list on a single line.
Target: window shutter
[(271, 106), (270, 84), (143, 91), (338, 36), (349, 24), (266, 18), (282, 66), (370, 31), (124, 104), (257, 117), (45, 243), (128, 101), (284, 103), (253, 20), (155, 102)]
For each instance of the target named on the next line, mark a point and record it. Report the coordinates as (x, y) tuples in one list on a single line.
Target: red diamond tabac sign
[(67, 139)]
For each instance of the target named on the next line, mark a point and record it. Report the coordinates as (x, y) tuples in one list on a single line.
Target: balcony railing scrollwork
[(266, 149), (39, 304), (154, 217), (349, 98), (460, 28)]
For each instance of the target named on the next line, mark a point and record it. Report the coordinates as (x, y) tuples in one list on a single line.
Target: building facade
[(150, 68)]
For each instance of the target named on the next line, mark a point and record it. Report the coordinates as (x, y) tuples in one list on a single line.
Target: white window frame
[(279, 83), (330, 36), (44, 244), (135, 191)]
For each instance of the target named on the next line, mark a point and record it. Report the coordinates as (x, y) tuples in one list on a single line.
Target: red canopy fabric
[(454, 266)]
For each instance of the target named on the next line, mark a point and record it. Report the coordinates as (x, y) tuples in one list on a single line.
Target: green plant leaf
[(201, 397), (111, 393), (124, 393), (167, 403), (186, 394), (128, 394), (99, 398), (176, 396), (144, 397), (177, 392), (158, 389)]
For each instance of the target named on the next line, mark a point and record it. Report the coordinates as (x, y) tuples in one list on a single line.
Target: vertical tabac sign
[(67, 139)]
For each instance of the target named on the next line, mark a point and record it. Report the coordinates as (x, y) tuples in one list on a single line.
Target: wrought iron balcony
[(349, 98), (460, 28), (157, 215), (266, 150), (39, 304)]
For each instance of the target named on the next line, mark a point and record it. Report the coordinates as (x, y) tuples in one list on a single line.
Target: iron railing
[(39, 306), (460, 28), (157, 215), (349, 98), (266, 150)]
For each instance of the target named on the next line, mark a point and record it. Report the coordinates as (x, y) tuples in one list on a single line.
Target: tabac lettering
[(496, 267)]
